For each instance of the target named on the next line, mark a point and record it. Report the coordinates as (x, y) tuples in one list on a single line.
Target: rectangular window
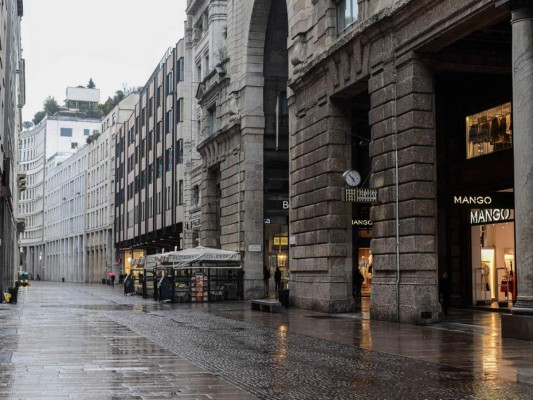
[(179, 110), (67, 132), (488, 131), (180, 69), (150, 140), (180, 192), (169, 160), (179, 151), (170, 82), (158, 132), (347, 11), (86, 132), (158, 96), (150, 173), (212, 120), (170, 121), (159, 167)]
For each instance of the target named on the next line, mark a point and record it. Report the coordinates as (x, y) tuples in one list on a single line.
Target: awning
[(201, 254)]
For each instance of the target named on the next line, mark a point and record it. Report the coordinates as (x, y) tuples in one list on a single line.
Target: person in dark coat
[(266, 279), (445, 292), (277, 278), (358, 280)]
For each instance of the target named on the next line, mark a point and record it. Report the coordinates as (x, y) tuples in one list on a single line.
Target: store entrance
[(277, 254), (493, 265)]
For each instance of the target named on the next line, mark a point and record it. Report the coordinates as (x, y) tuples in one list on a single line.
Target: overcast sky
[(114, 42)]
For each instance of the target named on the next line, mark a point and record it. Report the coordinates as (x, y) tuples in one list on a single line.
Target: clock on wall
[(352, 177)]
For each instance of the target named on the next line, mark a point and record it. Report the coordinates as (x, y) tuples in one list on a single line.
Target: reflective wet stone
[(90, 341)]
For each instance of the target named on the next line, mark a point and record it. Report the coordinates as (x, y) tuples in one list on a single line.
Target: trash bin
[(283, 297), (62, 279), (14, 293), (103, 281)]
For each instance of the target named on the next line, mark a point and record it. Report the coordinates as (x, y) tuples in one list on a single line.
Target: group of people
[(266, 279)]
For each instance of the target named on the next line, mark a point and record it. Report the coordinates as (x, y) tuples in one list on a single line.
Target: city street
[(79, 341)]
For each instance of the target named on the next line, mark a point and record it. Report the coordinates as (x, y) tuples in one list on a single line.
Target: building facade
[(12, 99), (240, 129), (436, 91), (395, 111), (100, 245), (54, 139), (64, 222), (149, 165)]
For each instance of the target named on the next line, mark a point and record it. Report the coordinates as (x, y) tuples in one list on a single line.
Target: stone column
[(402, 123), (522, 26)]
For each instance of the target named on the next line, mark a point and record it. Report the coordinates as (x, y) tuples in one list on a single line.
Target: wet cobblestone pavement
[(91, 342)]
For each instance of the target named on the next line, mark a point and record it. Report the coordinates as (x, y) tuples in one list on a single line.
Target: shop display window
[(364, 264), (277, 251), (489, 131), (493, 270)]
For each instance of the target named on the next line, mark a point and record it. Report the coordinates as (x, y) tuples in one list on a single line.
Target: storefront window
[(493, 269), (489, 131), (365, 267), (277, 251)]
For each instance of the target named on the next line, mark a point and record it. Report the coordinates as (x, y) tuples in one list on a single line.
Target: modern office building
[(64, 222), (149, 167), (53, 140), (100, 254), (12, 99)]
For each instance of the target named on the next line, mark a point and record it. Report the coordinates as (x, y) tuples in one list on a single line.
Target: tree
[(91, 84), (110, 103), (27, 125), (50, 106), (38, 117)]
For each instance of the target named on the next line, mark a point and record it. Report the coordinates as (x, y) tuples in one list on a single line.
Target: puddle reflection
[(281, 353)]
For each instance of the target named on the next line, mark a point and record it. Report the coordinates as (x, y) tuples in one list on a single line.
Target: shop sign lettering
[(360, 195), (489, 215), (495, 200), (362, 222), (475, 200)]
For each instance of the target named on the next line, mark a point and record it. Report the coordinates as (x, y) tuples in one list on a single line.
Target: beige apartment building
[(149, 165)]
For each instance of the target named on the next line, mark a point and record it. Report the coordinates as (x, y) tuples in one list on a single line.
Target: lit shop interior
[(277, 251), (493, 267)]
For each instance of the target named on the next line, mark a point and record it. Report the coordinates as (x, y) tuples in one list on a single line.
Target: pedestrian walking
[(358, 280), (277, 278), (445, 292), (266, 279), (113, 280)]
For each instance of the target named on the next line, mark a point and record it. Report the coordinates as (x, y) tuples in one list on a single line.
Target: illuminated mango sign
[(497, 200), (491, 216)]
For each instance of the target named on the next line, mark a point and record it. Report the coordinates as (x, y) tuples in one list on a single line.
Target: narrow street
[(77, 341)]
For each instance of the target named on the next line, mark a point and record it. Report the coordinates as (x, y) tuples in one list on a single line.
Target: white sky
[(114, 42)]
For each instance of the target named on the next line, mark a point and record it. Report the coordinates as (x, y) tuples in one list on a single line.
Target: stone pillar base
[(517, 326)]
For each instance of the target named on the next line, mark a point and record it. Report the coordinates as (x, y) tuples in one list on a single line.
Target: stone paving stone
[(90, 341), (62, 351)]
